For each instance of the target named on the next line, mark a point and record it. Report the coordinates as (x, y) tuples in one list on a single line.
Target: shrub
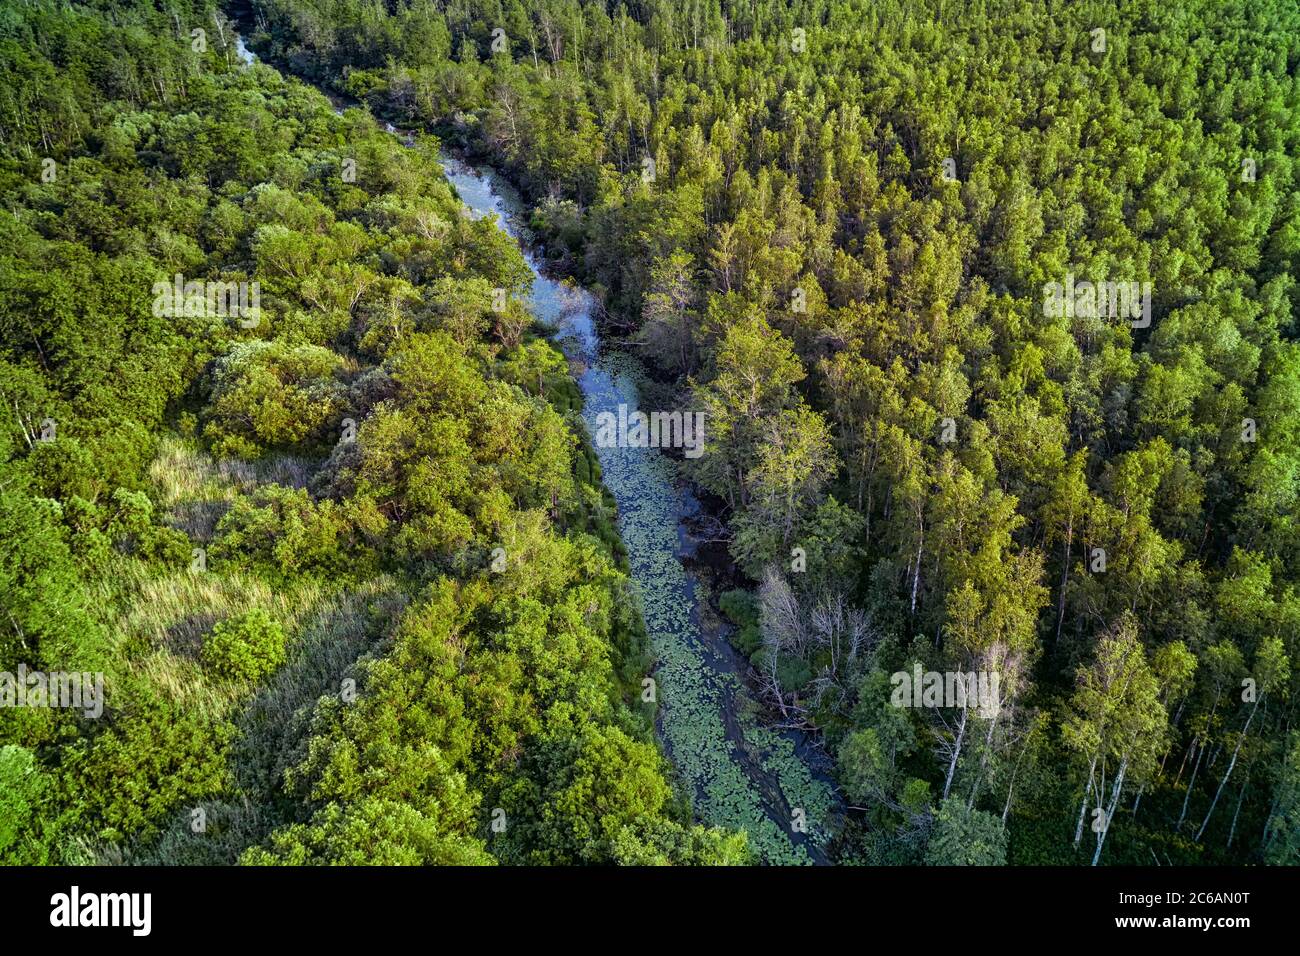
[(272, 395), (157, 757), (742, 608), (246, 646), (21, 784), (285, 530)]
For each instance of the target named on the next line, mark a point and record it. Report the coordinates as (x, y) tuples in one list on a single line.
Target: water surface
[(743, 775)]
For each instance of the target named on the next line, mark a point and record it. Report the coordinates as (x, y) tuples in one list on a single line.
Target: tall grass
[(195, 489), (157, 619), (157, 622), (274, 725)]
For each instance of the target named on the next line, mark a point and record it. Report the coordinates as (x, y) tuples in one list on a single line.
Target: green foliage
[(22, 788), (847, 273), (155, 759), (380, 416), (965, 837), (370, 832), (272, 395), (46, 620), (1282, 836), (742, 608), (671, 844), (840, 254), (245, 647), (582, 795)]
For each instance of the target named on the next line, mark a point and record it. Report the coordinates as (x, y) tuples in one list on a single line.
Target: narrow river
[(743, 775)]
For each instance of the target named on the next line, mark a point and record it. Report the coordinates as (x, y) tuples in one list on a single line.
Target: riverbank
[(742, 773)]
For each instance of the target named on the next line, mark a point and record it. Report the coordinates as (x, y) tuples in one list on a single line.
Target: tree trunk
[(1110, 810), (1232, 831), (916, 576), (1065, 577), (1190, 783), (956, 752), (1228, 773), (1083, 807), (984, 759)]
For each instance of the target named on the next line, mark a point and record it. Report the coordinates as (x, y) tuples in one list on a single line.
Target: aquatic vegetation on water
[(716, 746), (743, 775)]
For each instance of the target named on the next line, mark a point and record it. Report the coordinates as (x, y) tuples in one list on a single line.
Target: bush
[(284, 530), (965, 837), (245, 647), (741, 607), (272, 395), (21, 784), (157, 758)]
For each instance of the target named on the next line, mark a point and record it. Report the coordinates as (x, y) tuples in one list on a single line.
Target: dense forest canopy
[(833, 223), (991, 310)]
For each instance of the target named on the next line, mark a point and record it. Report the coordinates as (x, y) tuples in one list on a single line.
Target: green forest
[(990, 312)]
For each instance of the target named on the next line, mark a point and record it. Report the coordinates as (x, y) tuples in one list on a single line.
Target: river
[(742, 774)]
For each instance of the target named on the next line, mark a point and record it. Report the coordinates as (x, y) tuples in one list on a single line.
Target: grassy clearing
[(156, 620), (195, 489)]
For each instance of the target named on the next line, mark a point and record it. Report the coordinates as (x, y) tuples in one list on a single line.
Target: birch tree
[(1115, 717)]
